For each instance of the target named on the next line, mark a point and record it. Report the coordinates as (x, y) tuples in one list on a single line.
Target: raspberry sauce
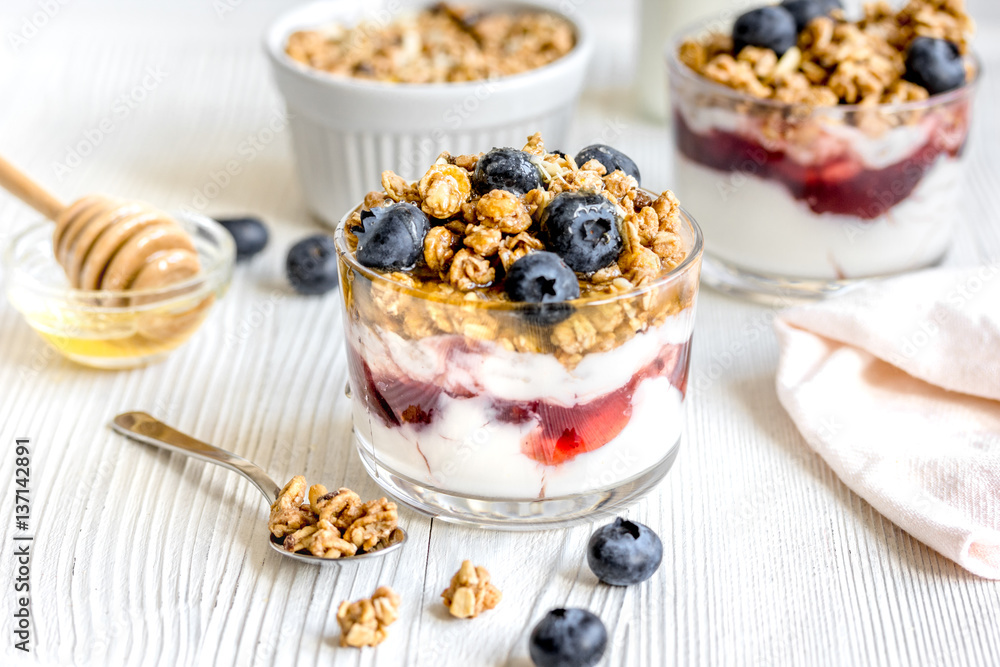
[(561, 433), (843, 185)]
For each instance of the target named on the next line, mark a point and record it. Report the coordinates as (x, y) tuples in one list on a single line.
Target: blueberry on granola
[(765, 27), (543, 278), (311, 265), (935, 64), (611, 158), (568, 638), (391, 238), (505, 169), (624, 552), (582, 228), (804, 11)]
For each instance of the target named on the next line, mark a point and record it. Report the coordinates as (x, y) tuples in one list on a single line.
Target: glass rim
[(220, 263), (691, 260), (677, 68)]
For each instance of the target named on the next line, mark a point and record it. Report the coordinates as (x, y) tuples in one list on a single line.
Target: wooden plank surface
[(142, 558)]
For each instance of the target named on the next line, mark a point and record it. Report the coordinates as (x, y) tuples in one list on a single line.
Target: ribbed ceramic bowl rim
[(220, 264), (690, 261), (276, 37), (679, 69)]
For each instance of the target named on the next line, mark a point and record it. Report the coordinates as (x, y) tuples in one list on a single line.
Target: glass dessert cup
[(800, 202), (478, 411), (115, 329)]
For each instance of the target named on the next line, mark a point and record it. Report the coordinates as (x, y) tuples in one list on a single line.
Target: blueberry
[(935, 64), (391, 237), (568, 638), (250, 235), (804, 11), (582, 228), (624, 553), (312, 265), (611, 158), (543, 278), (767, 27), (505, 169)]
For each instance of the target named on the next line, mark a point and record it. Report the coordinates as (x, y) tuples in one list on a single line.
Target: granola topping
[(442, 44), (836, 61), (365, 622), (470, 592), (331, 524), (474, 239)]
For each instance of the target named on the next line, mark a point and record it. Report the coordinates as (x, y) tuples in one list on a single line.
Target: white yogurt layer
[(463, 451), (516, 376), (758, 225)]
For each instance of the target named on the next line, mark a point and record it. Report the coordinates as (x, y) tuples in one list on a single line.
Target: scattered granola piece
[(365, 622), (470, 592)]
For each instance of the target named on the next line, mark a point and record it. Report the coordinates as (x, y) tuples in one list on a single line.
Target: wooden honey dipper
[(104, 243)]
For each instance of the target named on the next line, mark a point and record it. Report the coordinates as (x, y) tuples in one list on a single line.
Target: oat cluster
[(330, 524), (475, 239), (836, 61), (442, 44), (365, 621), (470, 592)]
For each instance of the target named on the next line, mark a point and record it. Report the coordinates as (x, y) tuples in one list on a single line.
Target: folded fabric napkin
[(896, 384)]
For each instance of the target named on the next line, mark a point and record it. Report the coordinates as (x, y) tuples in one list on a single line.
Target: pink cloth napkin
[(896, 384)]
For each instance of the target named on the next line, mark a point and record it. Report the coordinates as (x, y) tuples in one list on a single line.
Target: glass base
[(116, 363), (774, 290), (514, 513)]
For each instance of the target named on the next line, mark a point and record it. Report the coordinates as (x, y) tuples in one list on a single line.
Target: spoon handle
[(146, 429)]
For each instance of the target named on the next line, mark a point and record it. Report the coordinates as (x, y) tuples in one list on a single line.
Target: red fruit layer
[(843, 185), (561, 433)]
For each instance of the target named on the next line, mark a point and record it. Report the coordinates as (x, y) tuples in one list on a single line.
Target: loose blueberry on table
[(568, 638), (624, 552), (311, 265), (250, 235)]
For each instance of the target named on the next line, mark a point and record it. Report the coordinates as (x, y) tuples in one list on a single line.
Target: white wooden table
[(141, 558)]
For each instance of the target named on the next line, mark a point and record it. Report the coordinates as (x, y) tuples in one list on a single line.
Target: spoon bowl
[(146, 429)]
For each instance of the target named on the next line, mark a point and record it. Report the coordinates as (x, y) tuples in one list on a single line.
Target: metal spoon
[(146, 429)]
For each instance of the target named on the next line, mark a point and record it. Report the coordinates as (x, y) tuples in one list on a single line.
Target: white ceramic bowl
[(346, 131)]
